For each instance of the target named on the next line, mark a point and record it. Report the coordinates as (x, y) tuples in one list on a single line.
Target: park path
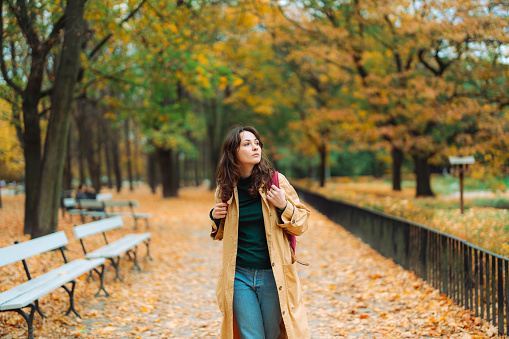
[(350, 290)]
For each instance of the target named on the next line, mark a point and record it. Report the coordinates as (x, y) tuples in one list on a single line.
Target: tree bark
[(397, 162), (32, 152), (323, 163), (107, 153), (32, 142), (128, 155), (82, 146), (167, 168), (67, 179), (90, 142), (116, 160), (152, 170), (196, 173), (58, 127), (422, 172)]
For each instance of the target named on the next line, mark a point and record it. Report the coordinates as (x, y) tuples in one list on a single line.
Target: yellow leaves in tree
[(202, 81), (202, 59), (223, 81), (238, 82), (173, 28), (264, 109), (110, 115), (11, 154)]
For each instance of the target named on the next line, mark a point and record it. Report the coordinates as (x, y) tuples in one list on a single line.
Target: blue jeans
[(256, 304)]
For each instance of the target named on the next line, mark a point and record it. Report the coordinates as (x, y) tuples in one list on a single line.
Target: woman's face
[(249, 151)]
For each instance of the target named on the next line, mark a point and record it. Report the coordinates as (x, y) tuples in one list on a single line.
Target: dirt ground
[(350, 290)]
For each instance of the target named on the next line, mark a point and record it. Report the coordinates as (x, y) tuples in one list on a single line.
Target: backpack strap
[(292, 239)]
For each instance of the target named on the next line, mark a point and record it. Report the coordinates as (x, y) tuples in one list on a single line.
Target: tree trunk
[(167, 167), (323, 163), (397, 162), (58, 126), (128, 155), (422, 172), (67, 179), (82, 144), (90, 142), (136, 154), (32, 140), (107, 154), (32, 152), (196, 173), (116, 160), (152, 170), (213, 162)]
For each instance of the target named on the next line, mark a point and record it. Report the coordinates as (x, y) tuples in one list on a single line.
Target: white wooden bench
[(112, 251), (84, 208), (106, 208), (103, 196), (28, 293), (110, 206), (69, 206)]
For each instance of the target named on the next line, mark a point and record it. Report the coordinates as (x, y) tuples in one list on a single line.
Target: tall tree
[(59, 122), (23, 28)]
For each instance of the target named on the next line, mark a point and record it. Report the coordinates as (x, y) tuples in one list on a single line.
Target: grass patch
[(485, 222)]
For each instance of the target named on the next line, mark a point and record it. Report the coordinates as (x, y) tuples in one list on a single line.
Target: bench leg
[(90, 276), (147, 243), (29, 318), (146, 224), (38, 309), (101, 287), (135, 258), (135, 223), (116, 265), (71, 299)]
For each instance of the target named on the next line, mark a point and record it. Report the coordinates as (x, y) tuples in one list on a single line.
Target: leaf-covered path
[(350, 290)]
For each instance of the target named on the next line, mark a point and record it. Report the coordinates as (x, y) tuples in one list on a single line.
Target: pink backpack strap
[(275, 179), (292, 239)]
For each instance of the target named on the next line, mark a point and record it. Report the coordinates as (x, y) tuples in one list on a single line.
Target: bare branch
[(47, 92), (295, 23), (52, 38), (26, 25), (420, 54)]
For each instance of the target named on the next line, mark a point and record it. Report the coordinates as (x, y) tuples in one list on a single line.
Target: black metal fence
[(472, 277)]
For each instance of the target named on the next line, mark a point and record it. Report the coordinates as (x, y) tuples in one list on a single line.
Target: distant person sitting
[(85, 192)]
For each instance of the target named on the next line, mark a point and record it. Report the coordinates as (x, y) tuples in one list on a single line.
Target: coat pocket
[(293, 288)]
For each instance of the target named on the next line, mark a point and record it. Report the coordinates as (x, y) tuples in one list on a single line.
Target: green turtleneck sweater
[(252, 250)]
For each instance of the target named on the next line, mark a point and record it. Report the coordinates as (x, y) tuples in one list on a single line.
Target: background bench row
[(26, 295)]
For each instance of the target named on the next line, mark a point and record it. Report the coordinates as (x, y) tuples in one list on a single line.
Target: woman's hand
[(276, 196), (220, 210)]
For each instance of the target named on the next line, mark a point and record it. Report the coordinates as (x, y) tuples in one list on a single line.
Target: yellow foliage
[(11, 154), (202, 59), (238, 82), (173, 28)]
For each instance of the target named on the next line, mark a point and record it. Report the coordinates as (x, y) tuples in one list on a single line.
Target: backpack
[(292, 239)]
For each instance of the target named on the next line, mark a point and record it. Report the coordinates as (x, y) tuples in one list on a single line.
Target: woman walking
[(258, 292)]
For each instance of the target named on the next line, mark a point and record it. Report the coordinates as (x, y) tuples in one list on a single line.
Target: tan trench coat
[(295, 220)]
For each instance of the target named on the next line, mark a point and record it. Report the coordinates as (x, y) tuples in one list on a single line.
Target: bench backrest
[(69, 202), (90, 203), (122, 203), (104, 196), (82, 231), (27, 249)]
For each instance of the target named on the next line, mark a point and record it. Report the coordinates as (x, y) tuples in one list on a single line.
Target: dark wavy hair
[(228, 169)]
